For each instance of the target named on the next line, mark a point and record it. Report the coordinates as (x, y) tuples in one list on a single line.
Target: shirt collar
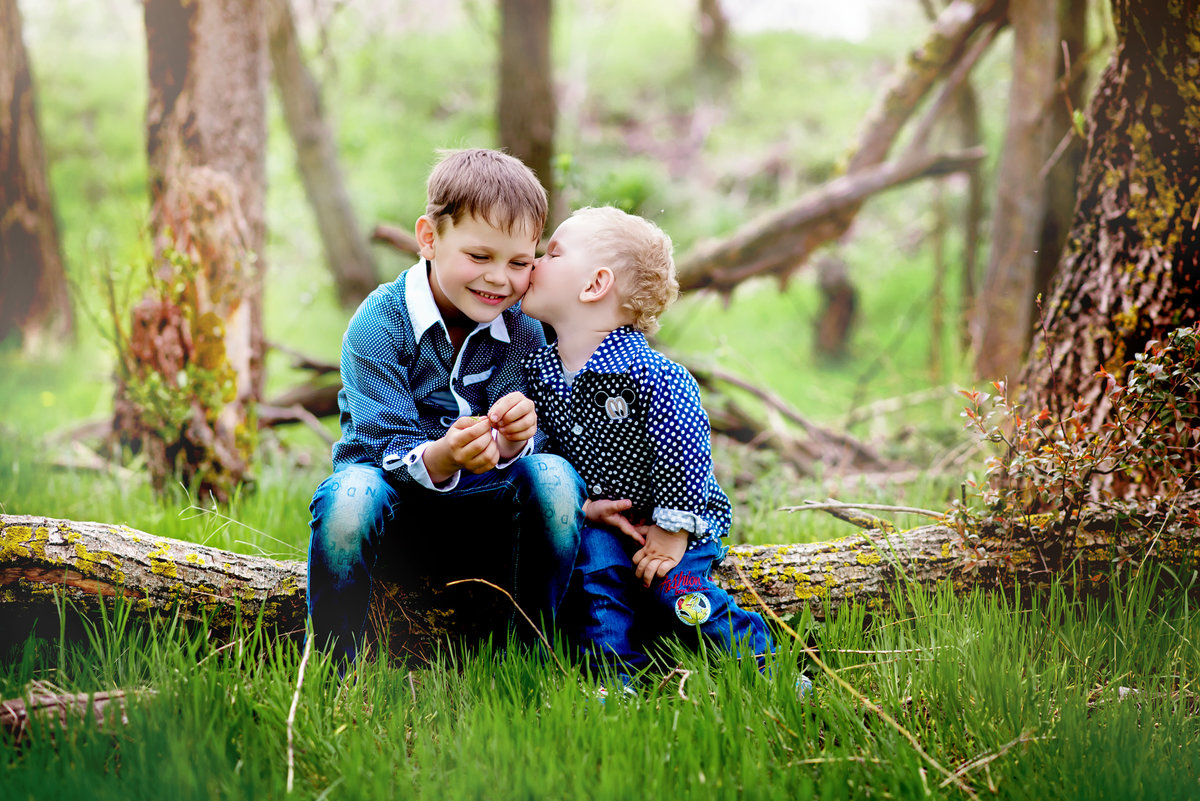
[(423, 310), (617, 351)]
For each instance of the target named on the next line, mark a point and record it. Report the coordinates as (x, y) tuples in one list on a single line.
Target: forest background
[(637, 132)]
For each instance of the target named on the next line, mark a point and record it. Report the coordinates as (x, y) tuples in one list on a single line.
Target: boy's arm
[(378, 410), (681, 435)]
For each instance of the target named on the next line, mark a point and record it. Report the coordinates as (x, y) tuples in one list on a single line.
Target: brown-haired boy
[(436, 460)]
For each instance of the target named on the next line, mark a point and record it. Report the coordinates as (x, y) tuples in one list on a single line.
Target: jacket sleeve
[(377, 406), (681, 436)]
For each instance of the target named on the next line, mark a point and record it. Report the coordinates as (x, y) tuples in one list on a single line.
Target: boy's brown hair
[(639, 254), (489, 185)]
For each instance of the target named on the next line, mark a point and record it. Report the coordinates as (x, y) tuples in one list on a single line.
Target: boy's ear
[(426, 236), (601, 283)]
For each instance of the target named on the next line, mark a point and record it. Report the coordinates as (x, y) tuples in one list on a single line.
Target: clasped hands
[(477, 444), (661, 549)]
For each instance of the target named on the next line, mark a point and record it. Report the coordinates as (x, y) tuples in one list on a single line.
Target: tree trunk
[(839, 309), (1131, 271), (33, 284), (526, 109), (89, 561), (1062, 171), (1003, 324), (346, 252), (714, 64), (190, 370)]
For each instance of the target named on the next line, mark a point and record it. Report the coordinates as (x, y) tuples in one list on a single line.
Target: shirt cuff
[(679, 520), (414, 464), (528, 449)]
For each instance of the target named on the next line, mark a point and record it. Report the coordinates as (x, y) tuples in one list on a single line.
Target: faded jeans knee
[(349, 511)]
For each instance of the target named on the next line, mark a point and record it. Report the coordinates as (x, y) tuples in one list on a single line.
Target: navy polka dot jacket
[(632, 425)]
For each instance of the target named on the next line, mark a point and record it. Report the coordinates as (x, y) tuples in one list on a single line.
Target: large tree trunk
[(191, 370), (88, 561), (526, 110), (1003, 321), (346, 252), (1131, 272), (33, 284)]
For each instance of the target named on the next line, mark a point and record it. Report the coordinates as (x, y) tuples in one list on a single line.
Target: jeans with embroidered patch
[(619, 617), (522, 520)]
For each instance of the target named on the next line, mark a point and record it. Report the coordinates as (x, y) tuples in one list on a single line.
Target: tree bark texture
[(191, 368), (784, 240), (33, 285), (86, 562), (1003, 322), (1131, 270), (345, 245), (526, 110)]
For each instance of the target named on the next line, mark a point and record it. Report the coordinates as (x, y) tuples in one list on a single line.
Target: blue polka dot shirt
[(402, 386), (631, 423)]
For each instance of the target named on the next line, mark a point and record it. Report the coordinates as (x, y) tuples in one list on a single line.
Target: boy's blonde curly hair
[(640, 255)]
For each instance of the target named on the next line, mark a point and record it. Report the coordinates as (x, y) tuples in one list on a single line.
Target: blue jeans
[(523, 520), (620, 616)]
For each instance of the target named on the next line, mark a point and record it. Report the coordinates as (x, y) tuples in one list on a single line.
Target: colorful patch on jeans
[(693, 608)]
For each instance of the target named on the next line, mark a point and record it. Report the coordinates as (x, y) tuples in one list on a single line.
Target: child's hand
[(662, 551), (610, 513), (471, 444), (515, 419)]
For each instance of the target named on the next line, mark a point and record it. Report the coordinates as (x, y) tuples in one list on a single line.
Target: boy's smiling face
[(478, 270)]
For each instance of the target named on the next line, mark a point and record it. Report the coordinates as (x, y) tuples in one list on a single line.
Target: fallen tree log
[(43, 559), (53, 709)]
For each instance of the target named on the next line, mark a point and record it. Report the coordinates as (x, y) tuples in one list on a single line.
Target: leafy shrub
[(1142, 443)]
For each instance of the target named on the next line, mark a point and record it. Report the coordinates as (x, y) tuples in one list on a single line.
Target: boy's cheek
[(521, 281)]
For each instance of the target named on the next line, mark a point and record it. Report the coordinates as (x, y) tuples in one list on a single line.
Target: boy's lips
[(490, 298)]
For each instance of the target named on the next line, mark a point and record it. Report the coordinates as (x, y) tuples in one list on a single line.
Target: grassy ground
[(1045, 698)]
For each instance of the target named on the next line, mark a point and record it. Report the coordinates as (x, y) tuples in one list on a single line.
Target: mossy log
[(43, 559)]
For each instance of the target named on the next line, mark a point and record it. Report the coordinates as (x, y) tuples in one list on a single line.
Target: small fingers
[(510, 408)]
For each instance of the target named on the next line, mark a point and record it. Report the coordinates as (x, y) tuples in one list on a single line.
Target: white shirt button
[(577, 430), (596, 488)]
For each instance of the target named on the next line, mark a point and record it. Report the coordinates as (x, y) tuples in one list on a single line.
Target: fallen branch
[(397, 237), (782, 240), (47, 704), (834, 449)]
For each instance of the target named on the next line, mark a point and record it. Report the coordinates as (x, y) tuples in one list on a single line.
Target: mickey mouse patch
[(616, 405)]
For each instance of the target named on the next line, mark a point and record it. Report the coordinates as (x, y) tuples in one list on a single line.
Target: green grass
[(1030, 689)]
